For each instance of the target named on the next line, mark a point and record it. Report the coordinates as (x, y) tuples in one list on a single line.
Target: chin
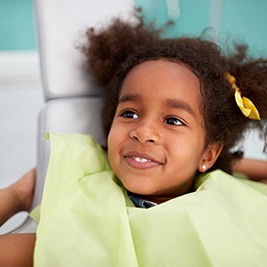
[(142, 192)]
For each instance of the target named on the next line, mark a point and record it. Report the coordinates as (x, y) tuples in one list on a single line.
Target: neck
[(158, 199)]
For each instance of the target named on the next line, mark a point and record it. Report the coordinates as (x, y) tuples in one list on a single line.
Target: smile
[(141, 161)]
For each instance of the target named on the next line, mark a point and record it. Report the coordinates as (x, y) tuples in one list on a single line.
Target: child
[(170, 114)]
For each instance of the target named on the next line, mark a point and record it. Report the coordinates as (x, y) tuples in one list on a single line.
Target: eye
[(129, 114), (173, 121)]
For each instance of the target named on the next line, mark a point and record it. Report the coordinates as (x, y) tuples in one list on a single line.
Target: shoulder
[(223, 181)]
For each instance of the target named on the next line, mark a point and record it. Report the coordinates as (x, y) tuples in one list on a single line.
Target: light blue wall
[(247, 19), (17, 25), (243, 20), (194, 15)]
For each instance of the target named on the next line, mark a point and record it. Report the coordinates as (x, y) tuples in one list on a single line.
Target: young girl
[(173, 109)]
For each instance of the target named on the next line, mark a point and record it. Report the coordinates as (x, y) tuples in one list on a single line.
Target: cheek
[(111, 158), (113, 146), (116, 134), (111, 134), (110, 146), (186, 154)]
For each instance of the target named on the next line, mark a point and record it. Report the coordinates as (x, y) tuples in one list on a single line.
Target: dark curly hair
[(113, 51)]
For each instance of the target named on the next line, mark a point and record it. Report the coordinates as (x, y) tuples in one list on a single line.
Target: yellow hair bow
[(246, 106)]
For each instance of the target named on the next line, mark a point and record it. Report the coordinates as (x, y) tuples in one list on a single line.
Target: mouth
[(141, 161)]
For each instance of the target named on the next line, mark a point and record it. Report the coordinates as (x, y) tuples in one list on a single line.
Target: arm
[(17, 197), (255, 169), (17, 250)]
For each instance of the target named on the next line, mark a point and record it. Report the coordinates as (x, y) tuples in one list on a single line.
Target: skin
[(157, 142), (253, 168), (17, 197), (17, 249)]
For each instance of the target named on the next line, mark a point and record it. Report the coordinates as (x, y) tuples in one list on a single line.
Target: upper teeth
[(140, 159)]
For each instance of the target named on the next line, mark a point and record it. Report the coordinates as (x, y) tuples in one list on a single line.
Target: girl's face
[(157, 141)]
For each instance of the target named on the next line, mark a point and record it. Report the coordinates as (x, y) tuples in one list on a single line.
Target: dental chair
[(72, 99)]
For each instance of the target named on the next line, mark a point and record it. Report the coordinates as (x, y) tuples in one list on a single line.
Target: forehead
[(162, 79)]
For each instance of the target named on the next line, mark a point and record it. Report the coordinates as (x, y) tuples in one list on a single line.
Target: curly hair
[(113, 51)]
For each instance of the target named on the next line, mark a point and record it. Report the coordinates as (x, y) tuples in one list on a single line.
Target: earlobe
[(210, 156)]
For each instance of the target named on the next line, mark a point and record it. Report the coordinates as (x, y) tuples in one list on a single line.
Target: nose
[(145, 131)]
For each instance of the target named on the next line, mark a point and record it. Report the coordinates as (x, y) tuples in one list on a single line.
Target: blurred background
[(21, 97)]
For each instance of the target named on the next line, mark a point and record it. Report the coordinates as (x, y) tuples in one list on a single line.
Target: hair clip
[(246, 106)]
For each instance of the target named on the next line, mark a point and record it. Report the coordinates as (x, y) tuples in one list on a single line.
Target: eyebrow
[(179, 104), (172, 103), (129, 98)]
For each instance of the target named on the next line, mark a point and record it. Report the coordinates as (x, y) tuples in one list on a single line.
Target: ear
[(210, 155)]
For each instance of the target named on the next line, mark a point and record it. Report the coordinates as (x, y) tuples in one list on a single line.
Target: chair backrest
[(61, 26), (72, 99)]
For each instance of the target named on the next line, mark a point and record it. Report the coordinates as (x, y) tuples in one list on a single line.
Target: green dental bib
[(87, 218)]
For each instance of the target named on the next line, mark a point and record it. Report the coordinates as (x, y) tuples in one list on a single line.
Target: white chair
[(72, 99)]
